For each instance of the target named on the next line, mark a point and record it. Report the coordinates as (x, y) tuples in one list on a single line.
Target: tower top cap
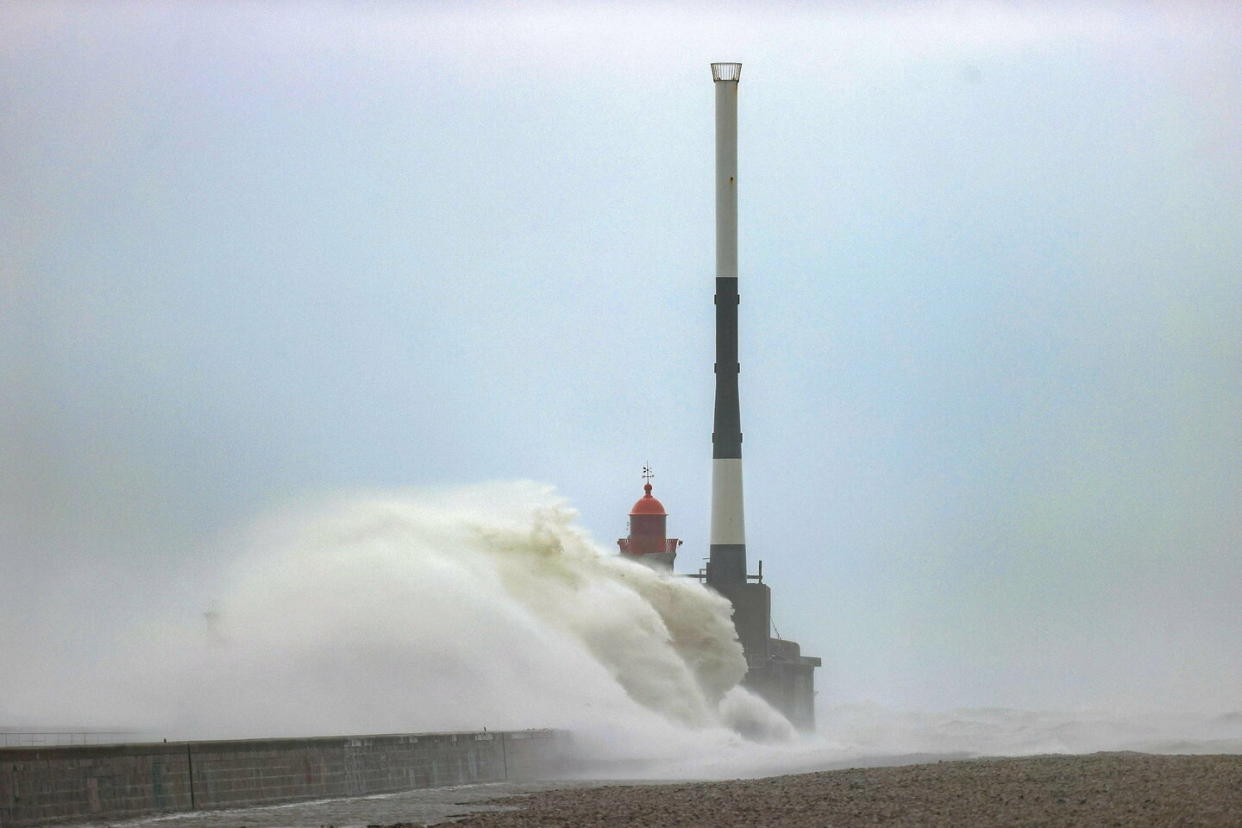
[(726, 72)]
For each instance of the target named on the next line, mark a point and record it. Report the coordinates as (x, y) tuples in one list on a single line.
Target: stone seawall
[(109, 782)]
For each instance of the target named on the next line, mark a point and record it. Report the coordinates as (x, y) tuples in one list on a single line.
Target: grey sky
[(991, 309)]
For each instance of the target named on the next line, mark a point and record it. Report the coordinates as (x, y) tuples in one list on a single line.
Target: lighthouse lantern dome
[(647, 504)]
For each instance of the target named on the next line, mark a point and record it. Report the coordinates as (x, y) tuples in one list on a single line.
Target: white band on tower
[(728, 521), (726, 178)]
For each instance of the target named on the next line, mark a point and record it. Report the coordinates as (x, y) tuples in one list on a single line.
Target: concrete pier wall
[(108, 782)]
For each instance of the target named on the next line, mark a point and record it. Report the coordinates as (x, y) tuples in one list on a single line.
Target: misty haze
[(336, 339)]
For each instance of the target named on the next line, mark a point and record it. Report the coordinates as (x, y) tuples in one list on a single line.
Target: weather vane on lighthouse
[(648, 474)]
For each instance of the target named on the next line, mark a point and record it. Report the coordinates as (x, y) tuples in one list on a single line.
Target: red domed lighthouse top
[(648, 505), (647, 542)]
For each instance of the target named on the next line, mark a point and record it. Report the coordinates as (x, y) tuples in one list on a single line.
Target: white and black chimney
[(727, 564)]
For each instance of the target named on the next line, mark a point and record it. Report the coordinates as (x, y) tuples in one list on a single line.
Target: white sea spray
[(484, 606)]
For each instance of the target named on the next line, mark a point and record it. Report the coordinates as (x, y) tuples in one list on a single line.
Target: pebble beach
[(1121, 789)]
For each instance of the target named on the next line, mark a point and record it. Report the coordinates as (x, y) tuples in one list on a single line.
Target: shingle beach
[(1122, 789)]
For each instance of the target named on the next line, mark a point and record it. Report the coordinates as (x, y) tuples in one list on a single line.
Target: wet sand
[(1123, 789)]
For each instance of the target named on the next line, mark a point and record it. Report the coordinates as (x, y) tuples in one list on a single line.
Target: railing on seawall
[(15, 737)]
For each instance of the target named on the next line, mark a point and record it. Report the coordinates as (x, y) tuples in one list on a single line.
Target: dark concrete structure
[(111, 782)]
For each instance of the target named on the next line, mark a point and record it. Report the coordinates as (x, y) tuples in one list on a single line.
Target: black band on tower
[(727, 564), (727, 423)]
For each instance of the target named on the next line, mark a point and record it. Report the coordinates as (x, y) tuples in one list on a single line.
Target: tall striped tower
[(727, 564), (776, 668)]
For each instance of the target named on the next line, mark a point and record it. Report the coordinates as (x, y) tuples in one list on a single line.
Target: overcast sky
[(991, 309)]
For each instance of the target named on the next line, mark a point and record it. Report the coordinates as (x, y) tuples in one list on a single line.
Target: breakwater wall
[(107, 782)]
